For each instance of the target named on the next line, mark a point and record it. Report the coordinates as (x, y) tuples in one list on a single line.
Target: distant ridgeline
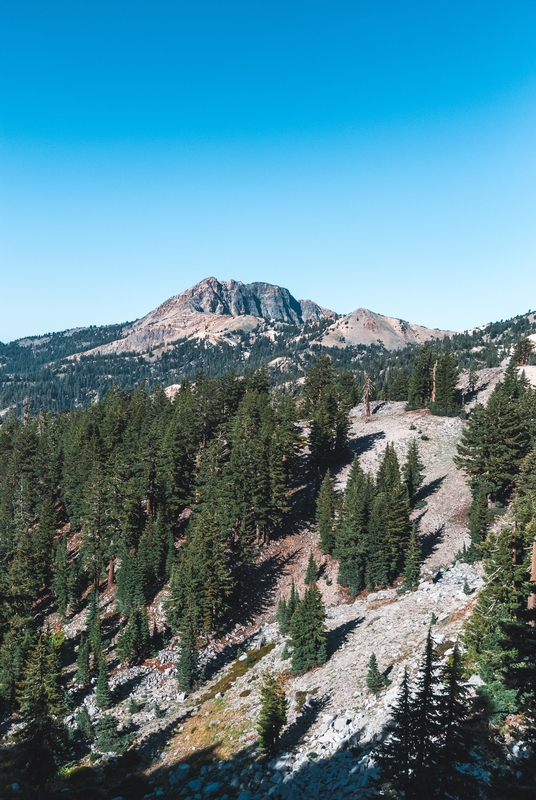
[(57, 371)]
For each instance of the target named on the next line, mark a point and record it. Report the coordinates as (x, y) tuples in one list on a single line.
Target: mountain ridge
[(214, 309)]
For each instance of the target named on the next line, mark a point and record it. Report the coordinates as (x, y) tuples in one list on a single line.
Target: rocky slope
[(366, 327), (204, 745)]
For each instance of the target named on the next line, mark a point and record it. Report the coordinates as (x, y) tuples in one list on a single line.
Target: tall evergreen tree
[(308, 632), (375, 680), (82, 662), (413, 471), (479, 520), (311, 573), (188, 666), (273, 713), (395, 756), (353, 543), (134, 641), (103, 695), (60, 582), (456, 738), (446, 381), (412, 562), (325, 514), (420, 384), (426, 719), (43, 736)]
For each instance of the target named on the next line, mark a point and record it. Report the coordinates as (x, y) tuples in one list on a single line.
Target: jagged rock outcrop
[(212, 308)]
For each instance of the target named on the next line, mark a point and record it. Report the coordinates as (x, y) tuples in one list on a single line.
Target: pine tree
[(311, 573), (129, 592), (396, 753), (308, 632), (84, 724), (446, 381), (412, 562), (60, 582), (456, 737), (43, 736), (388, 478), (375, 680), (479, 520), (293, 601), (352, 543), (82, 662), (413, 471), (325, 514), (273, 713), (188, 664), (103, 695), (420, 384), (282, 616), (108, 739), (494, 442), (133, 642), (426, 723)]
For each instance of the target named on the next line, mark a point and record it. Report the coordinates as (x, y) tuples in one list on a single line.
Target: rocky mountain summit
[(214, 309)]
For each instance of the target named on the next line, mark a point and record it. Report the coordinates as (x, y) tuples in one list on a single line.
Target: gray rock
[(212, 788), (195, 785), (179, 774)]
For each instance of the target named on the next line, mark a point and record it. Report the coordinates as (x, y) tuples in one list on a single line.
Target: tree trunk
[(532, 596), (434, 382), (111, 573), (366, 398)]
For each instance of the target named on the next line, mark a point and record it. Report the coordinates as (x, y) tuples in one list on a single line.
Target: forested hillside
[(51, 372), (141, 543)]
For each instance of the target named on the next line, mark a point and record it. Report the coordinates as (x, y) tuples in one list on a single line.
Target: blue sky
[(378, 154)]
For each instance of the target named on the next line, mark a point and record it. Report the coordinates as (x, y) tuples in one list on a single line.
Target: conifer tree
[(293, 601), (282, 616), (308, 632), (325, 514), (494, 442), (129, 592), (108, 739), (375, 680), (103, 695), (395, 755), (412, 562), (479, 520), (446, 380), (273, 713), (353, 543), (82, 662), (311, 573), (60, 582), (456, 737), (188, 665), (413, 471), (133, 642), (426, 718), (420, 384), (43, 736)]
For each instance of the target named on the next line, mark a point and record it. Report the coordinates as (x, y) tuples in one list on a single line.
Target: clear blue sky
[(370, 153)]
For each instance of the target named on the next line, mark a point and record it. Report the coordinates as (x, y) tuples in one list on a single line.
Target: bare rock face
[(234, 298), (212, 308), (366, 327)]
